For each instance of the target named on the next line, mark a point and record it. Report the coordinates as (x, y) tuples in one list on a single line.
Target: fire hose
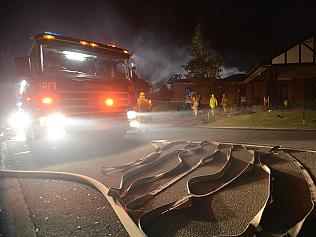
[(125, 219)]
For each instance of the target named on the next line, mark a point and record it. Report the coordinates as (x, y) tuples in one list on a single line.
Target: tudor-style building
[(289, 75)]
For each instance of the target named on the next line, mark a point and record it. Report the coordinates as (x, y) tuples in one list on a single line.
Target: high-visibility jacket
[(143, 105), (195, 104), (213, 102), (225, 101)]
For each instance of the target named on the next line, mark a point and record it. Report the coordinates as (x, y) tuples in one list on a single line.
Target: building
[(289, 75), (235, 89), (180, 88)]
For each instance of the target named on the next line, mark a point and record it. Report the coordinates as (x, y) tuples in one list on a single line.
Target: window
[(74, 62)]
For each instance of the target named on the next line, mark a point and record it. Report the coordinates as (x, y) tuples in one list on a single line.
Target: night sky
[(159, 32)]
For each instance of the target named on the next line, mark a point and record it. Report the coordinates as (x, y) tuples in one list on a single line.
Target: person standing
[(225, 103), (143, 106), (265, 103), (195, 106), (213, 104)]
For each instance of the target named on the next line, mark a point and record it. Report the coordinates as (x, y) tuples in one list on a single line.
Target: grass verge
[(274, 119)]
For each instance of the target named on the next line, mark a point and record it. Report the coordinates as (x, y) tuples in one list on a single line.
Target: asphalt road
[(89, 146), (59, 208)]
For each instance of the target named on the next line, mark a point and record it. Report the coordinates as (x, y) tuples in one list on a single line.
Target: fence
[(159, 106)]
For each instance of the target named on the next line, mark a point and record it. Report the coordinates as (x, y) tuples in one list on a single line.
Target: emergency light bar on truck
[(58, 37)]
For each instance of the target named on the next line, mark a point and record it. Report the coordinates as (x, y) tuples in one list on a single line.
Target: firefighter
[(213, 104), (143, 106), (225, 103), (266, 102), (195, 106)]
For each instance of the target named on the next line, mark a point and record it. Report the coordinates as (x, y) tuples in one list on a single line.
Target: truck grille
[(91, 102)]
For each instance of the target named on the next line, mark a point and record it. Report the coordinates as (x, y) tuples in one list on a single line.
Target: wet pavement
[(64, 208)]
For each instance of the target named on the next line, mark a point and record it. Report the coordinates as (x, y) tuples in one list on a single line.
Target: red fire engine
[(64, 77)]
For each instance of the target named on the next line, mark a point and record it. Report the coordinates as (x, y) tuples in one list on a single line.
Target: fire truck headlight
[(19, 120), (131, 115)]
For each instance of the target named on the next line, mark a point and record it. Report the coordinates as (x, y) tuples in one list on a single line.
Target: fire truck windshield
[(77, 63)]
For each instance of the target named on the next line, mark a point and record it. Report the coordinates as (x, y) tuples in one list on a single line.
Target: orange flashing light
[(84, 42), (28, 98), (94, 45), (49, 37), (125, 51), (109, 102), (112, 45), (47, 100)]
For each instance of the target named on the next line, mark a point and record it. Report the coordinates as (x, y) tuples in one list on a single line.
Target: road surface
[(65, 208)]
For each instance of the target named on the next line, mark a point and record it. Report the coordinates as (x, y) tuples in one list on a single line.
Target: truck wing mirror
[(22, 66), (132, 69), (133, 66)]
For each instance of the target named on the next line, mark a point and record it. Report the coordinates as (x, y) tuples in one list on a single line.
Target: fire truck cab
[(65, 78)]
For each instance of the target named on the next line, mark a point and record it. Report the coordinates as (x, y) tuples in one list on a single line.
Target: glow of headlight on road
[(131, 114), (55, 133), (77, 56), (53, 120), (19, 120), (134, 124), (19, 136)]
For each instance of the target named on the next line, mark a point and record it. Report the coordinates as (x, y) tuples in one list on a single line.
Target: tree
[(205, 63)]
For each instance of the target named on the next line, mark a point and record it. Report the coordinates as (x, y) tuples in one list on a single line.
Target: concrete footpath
[(14, 214)]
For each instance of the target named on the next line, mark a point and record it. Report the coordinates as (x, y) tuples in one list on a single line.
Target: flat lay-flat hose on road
[(127, 222)]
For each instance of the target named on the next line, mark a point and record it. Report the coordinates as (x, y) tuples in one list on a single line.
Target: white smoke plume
[(229, 71), (157, 55), (158, 59)]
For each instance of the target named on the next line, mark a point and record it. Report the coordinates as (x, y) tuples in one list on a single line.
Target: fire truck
[(64, 79)]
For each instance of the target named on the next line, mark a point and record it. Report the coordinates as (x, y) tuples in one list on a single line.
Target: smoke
[(229, 71), (157, 59), (156, 55)]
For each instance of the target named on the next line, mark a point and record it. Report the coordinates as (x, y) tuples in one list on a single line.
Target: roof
[(264, 64), (180, 81), (235, 78), (255, 72), (268, 60), (85, 43)]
